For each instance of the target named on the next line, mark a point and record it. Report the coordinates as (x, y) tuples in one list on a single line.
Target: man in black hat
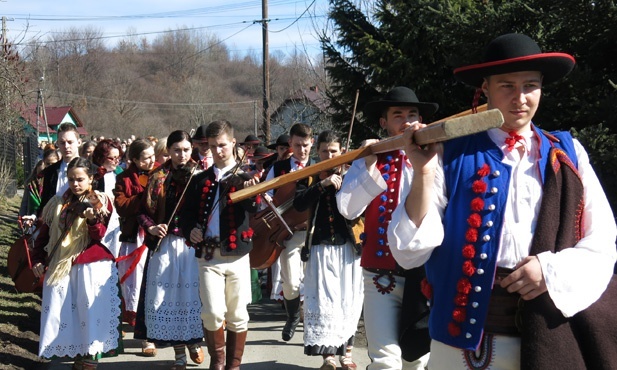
[(283, 151), (372, 186), (514, 229), (201, 150)]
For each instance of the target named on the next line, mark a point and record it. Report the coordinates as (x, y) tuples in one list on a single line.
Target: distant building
[(55, 116), (308, 106)]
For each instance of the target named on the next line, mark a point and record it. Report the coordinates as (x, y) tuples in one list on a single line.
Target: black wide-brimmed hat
[(281, 140), (200, 134), (515, 52), (400, 96), (251, 139), (261, 152)]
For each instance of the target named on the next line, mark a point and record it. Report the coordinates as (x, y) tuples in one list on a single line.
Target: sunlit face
[(79, 181), (301, 147), (250, 148), (87, 151), (180, 153), (222, 150), (203, 147), (51, 159), (112, 159), (282, 151), (398, 119), (145, 162), (329, 150), (162, 157), (516, 95), (68, 144)]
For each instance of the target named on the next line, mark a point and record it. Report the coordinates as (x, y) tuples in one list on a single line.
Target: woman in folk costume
[(129, 190), (80, 311), (107, 155), (333, 285), (172, 303)]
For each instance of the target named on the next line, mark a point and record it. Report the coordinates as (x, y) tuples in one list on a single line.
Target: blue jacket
[(462, 270)]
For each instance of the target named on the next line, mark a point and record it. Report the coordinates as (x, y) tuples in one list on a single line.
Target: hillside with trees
[(177, 80)]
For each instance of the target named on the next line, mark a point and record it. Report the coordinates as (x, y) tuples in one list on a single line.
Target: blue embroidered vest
[(461, 271)]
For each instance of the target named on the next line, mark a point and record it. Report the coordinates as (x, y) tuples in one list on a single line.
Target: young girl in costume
[(129, 191), (172, 303), (80, 311)]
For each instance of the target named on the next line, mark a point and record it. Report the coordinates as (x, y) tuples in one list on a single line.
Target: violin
[(339, 170)]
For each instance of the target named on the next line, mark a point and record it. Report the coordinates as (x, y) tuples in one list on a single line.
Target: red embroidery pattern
[(468, 269)]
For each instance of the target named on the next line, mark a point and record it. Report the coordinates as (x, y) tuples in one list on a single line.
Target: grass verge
[(19, 313)]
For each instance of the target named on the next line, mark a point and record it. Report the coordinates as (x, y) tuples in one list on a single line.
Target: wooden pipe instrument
[(458, 125)]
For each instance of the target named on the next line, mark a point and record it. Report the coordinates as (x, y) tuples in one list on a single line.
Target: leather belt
[(503, 308), (206, 248)]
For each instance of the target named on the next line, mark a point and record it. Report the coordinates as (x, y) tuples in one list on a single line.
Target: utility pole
[(40, 105), (266, 71), (255, 118)]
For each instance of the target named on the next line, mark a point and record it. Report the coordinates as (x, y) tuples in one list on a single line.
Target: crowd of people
[(491, 251)]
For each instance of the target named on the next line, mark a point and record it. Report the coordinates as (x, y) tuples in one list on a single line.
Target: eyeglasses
[(113, 159)]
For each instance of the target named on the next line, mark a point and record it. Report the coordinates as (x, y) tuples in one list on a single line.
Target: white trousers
[(292, 267), (496, 352), (225, 291), (381, 320)]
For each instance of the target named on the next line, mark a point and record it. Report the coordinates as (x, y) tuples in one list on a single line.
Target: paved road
[(264, 350)]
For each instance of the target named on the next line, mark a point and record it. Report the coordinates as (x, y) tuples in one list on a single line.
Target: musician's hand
[(370, 160), (158, 230), (28, 220), (196, 235), (267, 197), (38, 270), (334, 180), (251, 182), (89, 213), (423, 159)]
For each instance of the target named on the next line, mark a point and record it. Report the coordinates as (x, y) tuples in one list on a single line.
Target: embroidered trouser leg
[(381, 319), (292, 267), (496, 352), (228, 277)]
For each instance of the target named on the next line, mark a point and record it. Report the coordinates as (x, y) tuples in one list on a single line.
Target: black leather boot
[(292, 306)]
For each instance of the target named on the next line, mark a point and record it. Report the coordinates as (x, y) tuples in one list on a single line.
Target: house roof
[(310, 95), (55, 116)]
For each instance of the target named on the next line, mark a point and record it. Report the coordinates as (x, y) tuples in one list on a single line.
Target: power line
[(297, 19), (171, 14)]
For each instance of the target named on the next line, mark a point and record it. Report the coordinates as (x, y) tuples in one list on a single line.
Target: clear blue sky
[(292, 24)]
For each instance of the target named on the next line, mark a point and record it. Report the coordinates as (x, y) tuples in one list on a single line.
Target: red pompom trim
[(461, 300), (477, 204), (454, 329), (232, 238), (479, 186), (426, 288), (233, 246), (459, 314), (471, 235), (484, 170), (208, 183), (468, 268), (475, 220), (463, 286), (469, 251)]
